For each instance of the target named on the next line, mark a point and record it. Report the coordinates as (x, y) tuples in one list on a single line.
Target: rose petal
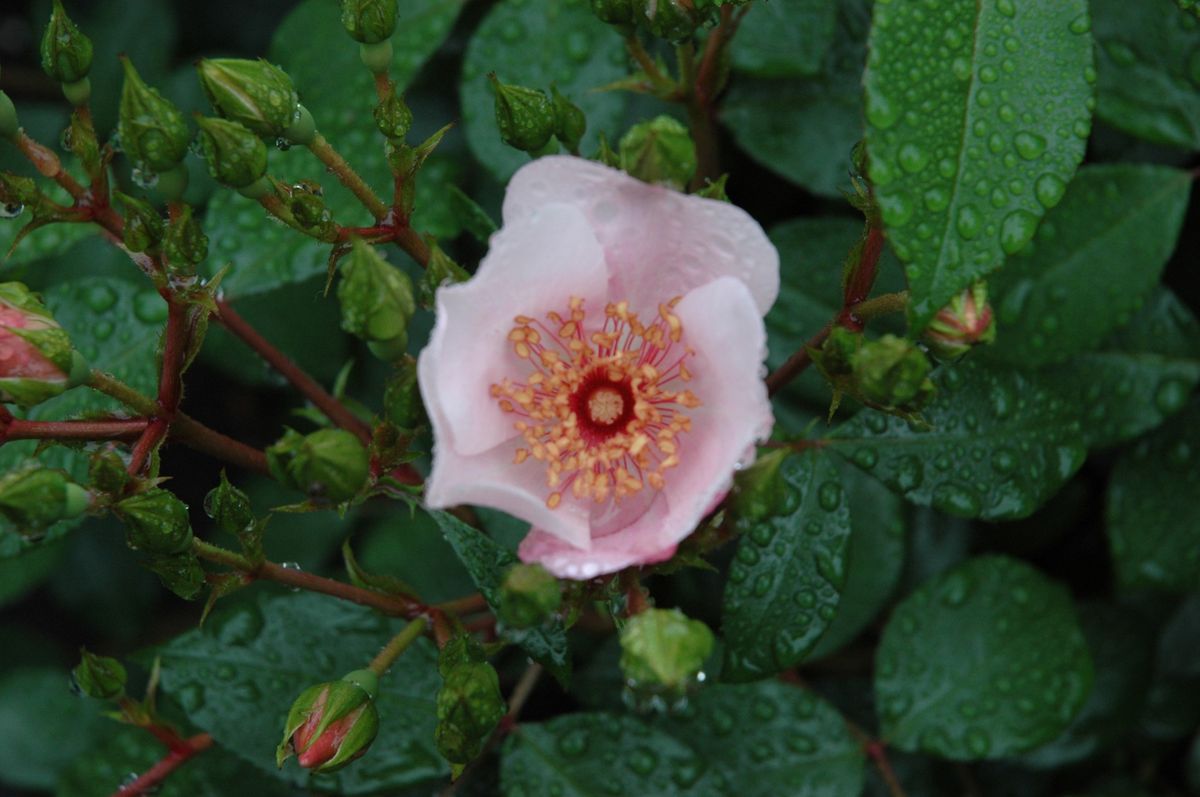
[(654, 238), (531, 267)]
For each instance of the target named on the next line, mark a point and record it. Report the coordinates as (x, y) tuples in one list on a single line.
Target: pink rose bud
[(331, 724), (966, 322), (36, 360)]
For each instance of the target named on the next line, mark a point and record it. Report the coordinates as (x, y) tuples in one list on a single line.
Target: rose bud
[(525, 116), (893, 372), (143, 224), (674, 20), (964, 323), (35, 498), (236, 156), (256, 94), (331, 463), (570, 122), (614, 12), (36, 360), (331, 724), (156, 522), (99, 676), (66, 51), (377, 301), (659, 151), (402, 397), (528, 595), (662, 650), (153, 131), (369, 21)]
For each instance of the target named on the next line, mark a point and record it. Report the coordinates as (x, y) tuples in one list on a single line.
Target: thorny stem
[(148, 781), (409, 634), (347, 176)]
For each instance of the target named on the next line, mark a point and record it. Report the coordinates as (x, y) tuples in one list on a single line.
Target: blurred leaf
[(965, 104), (575, 51), (1146, 57), (237, 676), (804, 129), (784, 38), (1153, 519), (1095, 258), (1172, 708), (30, 567), (411, 547), (984, 661), (786, 578), (999, 444)]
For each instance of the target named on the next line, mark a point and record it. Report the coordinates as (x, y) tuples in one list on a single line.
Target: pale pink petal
[(721, 323), (532, 267), (655, 239)]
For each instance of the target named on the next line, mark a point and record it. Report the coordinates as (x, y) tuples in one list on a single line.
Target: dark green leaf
[(1146, 57), (575, 51), (487, 561), (787, 576), (784, 38), (1153, 519), (770, 739), (804, 130), (977, 115), (984, 661), (237, 676), (21, 573), (999, 444), (1096, 257), (1172, 708), (48, 241)]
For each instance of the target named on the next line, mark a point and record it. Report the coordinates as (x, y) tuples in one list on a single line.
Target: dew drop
[(1016, 230), (1049, 190), (1030, 146)]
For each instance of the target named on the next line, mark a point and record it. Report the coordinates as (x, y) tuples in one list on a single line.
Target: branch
[(347, 176), (148, 781), (21, 429)]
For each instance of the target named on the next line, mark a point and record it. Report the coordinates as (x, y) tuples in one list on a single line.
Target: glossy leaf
[(237, 675), (487, 561), (784, 38), (770, 739), (788, 572), (977, 115), (804, 129), (575, 51), (983, 661), (1145, 55), (1094, 260), (999, 444), (1152, 518), (324, 64)]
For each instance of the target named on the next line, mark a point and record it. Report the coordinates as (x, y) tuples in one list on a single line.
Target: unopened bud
[(469, 707), (525, 116), (184, 243), (614, 12), (156, 522), (256, 94), (229, 507), (36, 360), (570, 123), (66, 51), (330, 463), (331, 724), (893, 372), (393, 117), (674, 20), (236, 156), (377, 301), (662, 650), (528, 595), (99, 676), (144, 226), (369, 21), (961, 325), (107, 471), (659, 151), (153, 131), (35, 498)]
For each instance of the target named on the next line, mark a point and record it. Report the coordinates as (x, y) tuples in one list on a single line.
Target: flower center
[(601, 406)]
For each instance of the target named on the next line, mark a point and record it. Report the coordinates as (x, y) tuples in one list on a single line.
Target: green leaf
[(984, 661), (784, 38), (1145, 54), (575, 51), (600, 755), (487, 561), (324, 64), (875, 554), (1122, 650), (770, 739), (237, 676), (803, 130), (1153, 520), (1172, 707), (1094, 260), (977, 115), (787, 576), (999, 444), (43, 727), (48, 241), (30, 567), (1142, 375)]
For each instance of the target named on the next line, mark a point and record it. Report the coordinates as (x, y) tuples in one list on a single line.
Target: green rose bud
[(156, 522), (570, 123), (229, 507), (614, 12), (184, 243), (369, 21), (663, 651), (153, 131), (393, 117), (528, 596), (659, 151), (402, 396), (256, 94), (236, 156), (144, 226), (9, 124), (839, 349), (35, 498), (106, 471), (36, 359), (66, 52), (961, 325), (469, 707), (893, 372), (331, 724), (377, 301), (99, 676), (179, 572), (440, 271), (330, 463), (674, 20), (760, 491), (526, 117), (309, 211)]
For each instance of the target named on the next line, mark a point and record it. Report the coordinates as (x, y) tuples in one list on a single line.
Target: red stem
[(170, 385), (149, 780), (20, 429)]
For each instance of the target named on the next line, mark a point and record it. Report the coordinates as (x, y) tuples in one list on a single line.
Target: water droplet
[(1006, 8), (1049, 190), (10, 210), (937, 199), (573, 743), (955, 498), (1016, 230), (1120, 52), (829, 496), (143, 177), (978, 742), (969, 223), (1030, 146), (1004, 461), (909, 473), (880, 111), (1081, 24), (912, 158), (896, 208), (99, 298), (1171, 396), (866, 458)]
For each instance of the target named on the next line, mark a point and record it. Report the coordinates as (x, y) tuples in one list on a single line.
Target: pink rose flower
[(600, 375), (18, 357)]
